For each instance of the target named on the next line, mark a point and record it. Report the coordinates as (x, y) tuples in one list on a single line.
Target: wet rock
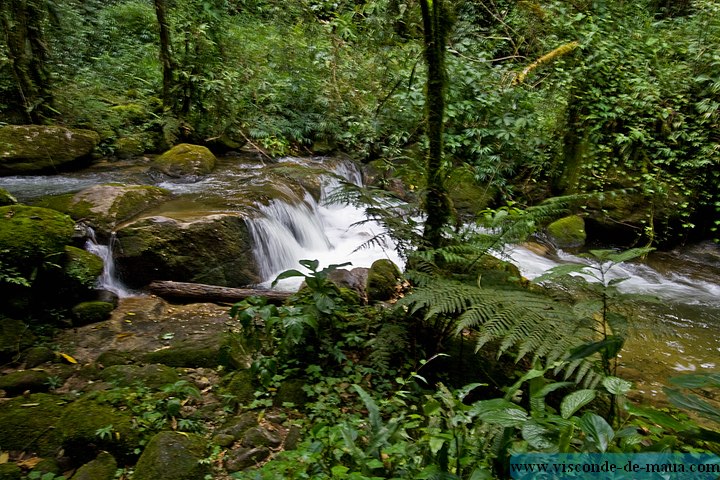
[(567, 232), (261, 437), (214, 249), (185, 159), (29, 424), (237, 426), (86, 313), (382, 280), (103, 207), (242, 458), (20, 381), (223, 440), (102, 468), (292, 438), (39, 149), (172, 456), (355, 279)]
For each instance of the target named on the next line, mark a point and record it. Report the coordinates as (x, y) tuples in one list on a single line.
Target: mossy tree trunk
[(23, 32), (166, 59), (437, 204)]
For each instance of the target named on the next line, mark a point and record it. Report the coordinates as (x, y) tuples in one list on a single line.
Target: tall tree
[(166, 59), (23, 31), (436, 23)]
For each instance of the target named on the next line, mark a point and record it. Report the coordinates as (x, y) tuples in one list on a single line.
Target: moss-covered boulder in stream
[(173, 456), (38, 148), (105, 206), (567, 232), (29, 424), (6, 198), (185, 159), (215, 249)]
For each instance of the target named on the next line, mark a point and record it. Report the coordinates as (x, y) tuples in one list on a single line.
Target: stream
[(686, 280)]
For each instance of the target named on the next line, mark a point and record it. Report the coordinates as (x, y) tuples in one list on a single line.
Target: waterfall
[(283, 233), (108, 280)]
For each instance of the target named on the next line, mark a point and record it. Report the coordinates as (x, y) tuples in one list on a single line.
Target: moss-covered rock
[(28, 424), (490, 271), (86, 313), (34, 356), (309, 177), (291, 391), (38, 148), (80, 423), (6, 198), (131, 146), (20, 381), (190, 353), (152, 376), (568, 232), (240, 386), (173, 456), (30, 235), (14, 338), (82, 267), (185, 159), (105, 206), (10, 471), (103, 467), (215, 250), (382, 280)]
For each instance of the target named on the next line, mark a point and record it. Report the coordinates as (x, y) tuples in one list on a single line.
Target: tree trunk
[(437, 203), (26, 48), (199, 292), (165, 55)]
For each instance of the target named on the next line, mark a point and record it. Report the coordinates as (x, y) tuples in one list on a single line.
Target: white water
[(108, 280), (331, 234)]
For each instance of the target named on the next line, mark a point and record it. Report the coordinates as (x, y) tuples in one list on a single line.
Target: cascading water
[(284, 234), (108, 280)]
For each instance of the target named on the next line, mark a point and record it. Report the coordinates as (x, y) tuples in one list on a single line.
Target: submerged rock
[(38, 148), (215, 249), (185, 159)]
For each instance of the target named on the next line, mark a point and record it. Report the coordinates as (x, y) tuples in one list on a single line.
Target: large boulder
[(38, 149), (185, 159), (105, 206), (382, 280), (567, 232), (28, 423), (213, 249), (173, 456)]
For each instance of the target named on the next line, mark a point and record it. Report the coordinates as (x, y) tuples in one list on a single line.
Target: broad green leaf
[(692, 402), (612, 344), (575, 401), (287, 274), (657, 417), (630, 254), (616, 386), (536, 436), (597, 430), (311, 265), (561, 271), (697, 380), (373, 410)]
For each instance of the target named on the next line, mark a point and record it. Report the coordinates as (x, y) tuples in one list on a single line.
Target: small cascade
[(108, 280), (285, 234)]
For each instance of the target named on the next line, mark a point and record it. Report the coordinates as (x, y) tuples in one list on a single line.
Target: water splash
[(108, 280)]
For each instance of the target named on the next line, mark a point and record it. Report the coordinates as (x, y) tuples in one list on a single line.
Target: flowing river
[(687, 280)]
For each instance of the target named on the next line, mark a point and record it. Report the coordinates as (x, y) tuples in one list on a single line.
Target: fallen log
[(198, 292)]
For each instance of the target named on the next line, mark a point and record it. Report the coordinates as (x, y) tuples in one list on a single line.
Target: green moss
[(10, 471), (291, 391), (102, 468), (28, 424), (14, 337), (240, 386), (568, 232), (34, 356), (86, 313), (152, 376), (191, 353), (20, 381), (490, 271), (185, 159), (172, 456), (382, 280), (82, 266), (81, 421), (38, 148), (30, 235)]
